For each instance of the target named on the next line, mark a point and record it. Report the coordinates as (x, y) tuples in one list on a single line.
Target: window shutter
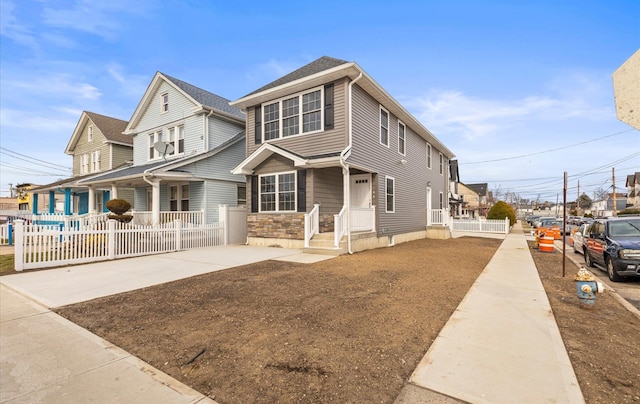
[(258, 126), (302, 190), (328, 106), (254, 193)]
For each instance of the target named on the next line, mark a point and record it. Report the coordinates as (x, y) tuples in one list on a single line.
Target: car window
[(628, 228)]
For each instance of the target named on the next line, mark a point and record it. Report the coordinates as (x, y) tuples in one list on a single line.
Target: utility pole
[(578, 200), (564, 224), (613, 182)]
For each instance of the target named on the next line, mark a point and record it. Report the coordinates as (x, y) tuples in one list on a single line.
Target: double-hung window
[(384, 127), (278, 192), (153, 138), (176, 139), (301, 113), (402, 138), (95, 161), (441, 200), (84, 164), (441, 164), (165, 102), (90, 133), (428, 156), (179, 198), (390, 193)]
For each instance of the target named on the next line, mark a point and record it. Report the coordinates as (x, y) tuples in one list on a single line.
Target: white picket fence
[(481, 225), (4, 234), (41, 246)]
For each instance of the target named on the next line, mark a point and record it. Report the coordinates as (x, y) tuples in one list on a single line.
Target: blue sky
[(520, 91)]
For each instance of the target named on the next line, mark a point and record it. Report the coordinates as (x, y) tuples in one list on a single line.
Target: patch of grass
[(6, 264)]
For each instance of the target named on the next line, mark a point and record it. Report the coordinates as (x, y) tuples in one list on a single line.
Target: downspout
[(345, 166), (144, 178), (206, 130)]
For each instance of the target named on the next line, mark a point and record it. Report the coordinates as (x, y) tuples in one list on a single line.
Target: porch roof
[(61, 184), (267, 150)]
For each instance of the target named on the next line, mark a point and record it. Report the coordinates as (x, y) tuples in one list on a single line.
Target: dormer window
[(90, 133), (165, 102)]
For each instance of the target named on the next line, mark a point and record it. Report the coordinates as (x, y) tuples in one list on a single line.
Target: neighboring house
[(484, 195), (185, 140), (633, 190), (96, 145), (604, 207), (328, 146), (471, 201), (455, 198)]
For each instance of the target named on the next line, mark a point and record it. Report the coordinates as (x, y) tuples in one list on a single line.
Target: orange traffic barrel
[(546, 244), (556, 232)]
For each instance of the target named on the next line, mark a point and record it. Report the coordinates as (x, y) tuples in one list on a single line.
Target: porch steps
[(322, 243)]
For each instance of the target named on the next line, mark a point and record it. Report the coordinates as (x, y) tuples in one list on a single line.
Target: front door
[(361, 191)]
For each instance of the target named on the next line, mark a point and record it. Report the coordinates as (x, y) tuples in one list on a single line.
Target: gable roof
[(480, 189), (111, 128), (633, 179), (325, 70), (203, 100)]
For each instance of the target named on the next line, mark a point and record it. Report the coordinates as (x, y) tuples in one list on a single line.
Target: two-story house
[(96, 145), (328, 150), (185, 141), (633, 190)]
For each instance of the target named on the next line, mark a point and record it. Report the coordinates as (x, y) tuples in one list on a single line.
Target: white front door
[(361, 191)]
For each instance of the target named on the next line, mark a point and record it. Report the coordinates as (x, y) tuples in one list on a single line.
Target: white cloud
[(43, 123), (133, 86), (11, 28), (58, 85)]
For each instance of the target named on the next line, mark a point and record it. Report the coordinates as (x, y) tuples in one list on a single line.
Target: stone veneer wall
[(326, 223), (283, 226)]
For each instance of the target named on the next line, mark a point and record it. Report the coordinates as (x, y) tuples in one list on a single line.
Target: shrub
[(501, 210), (118, 206)]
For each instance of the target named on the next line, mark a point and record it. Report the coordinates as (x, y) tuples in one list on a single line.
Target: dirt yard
[(350, 329)]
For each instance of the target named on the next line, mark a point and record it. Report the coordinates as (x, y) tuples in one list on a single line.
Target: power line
[(7, 151), (52, 166), (547, 151)]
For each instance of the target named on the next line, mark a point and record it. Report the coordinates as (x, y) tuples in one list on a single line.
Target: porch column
[(155, 202), (52, 202), (67, 202), (114, 191), (92, 200), (34, 203)]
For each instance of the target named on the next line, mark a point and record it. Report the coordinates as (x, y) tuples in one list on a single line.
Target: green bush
[(501, 210), (118, 206)]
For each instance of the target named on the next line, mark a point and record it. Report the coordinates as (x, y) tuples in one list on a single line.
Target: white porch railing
[(363, 219), (4, 234), (46, 246), (146, 218), (438, 217), (311, 224), (339, 226)]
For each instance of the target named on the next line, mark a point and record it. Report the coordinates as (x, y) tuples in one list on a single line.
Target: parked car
[(586, 220), (578, 239), (531, 219), (614, 246), (550, 223), (537, 223)]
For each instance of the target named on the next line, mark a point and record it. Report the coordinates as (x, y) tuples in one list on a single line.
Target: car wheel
[(611, 271), (587, 259)]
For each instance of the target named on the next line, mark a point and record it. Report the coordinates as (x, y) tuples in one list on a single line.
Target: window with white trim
[(176, 139), (300, 113), (441, 164), (402, 129), (278, 192), (390, 194), (428, 156), (84, 164), (153, 138), (179, 198), (441, 200), (90, 133), (95, 161), (384, 126), (165, 102)]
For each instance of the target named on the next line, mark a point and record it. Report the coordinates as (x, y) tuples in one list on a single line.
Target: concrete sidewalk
[(502, 344)]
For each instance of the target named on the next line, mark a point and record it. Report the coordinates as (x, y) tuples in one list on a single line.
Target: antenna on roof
[(163, 148)]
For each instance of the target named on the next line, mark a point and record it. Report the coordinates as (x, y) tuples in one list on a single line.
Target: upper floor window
[(90, 133), (401, 138), (428, 156), (278, 192), (384, 127), (84, 164), (95, 161), (176, 139), (153, 138), (165, 102), (390, 194), (441, 164), (301, 113)]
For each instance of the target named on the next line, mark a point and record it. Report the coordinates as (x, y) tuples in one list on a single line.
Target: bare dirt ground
[(350, 329)]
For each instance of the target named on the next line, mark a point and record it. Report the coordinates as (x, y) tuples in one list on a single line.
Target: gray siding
[(219, 193), (220, 165), (84, 146), (140, 199), (410, 178), (196, 195), (120, 154), (330, 141), (328, 189), (221, 130)]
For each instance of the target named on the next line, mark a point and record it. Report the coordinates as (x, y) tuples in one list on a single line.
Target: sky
[(520, 91)]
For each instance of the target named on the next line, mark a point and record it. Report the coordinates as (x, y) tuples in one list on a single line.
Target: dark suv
[(614, 245)]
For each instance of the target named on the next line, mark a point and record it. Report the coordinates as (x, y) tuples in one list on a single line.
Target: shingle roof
[(317, 66), (480, 189), (207, 98), (111, 128)]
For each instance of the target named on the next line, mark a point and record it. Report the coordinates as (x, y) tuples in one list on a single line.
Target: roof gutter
[(345, 166)]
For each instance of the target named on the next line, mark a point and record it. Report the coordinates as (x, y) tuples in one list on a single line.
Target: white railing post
[(18, 252), (111, 249), (311, 224), (178, 234), (506, 225)]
